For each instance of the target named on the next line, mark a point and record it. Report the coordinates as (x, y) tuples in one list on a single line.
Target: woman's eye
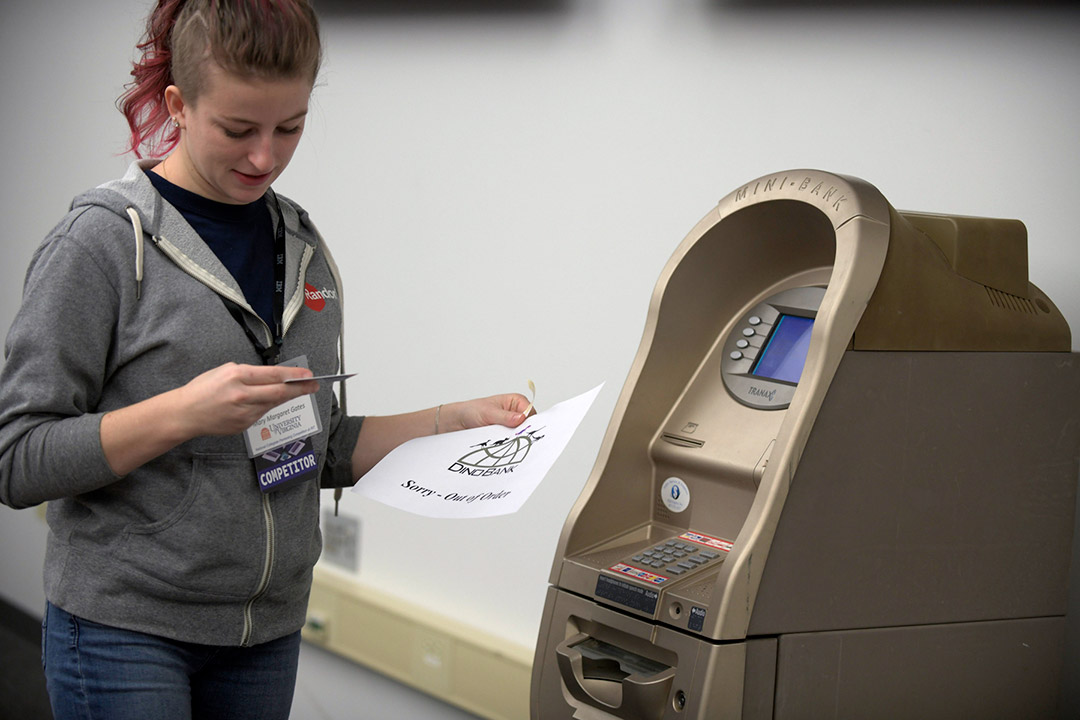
[(239, 134)]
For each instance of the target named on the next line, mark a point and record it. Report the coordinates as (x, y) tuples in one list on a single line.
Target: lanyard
[(270, 354), (279, 286)]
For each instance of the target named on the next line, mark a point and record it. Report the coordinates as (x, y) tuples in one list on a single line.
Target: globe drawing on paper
[(502, 453)]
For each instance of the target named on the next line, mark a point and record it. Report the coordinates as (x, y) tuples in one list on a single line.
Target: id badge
[(279, 442)]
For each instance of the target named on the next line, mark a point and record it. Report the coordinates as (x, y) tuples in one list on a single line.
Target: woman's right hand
[(229, 399), (224, 401)]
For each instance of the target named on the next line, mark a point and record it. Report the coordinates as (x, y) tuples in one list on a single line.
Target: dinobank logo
[(315, 298)]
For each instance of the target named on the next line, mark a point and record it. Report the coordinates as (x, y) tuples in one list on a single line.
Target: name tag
[(285, 424), (279, 441), (295, 420)]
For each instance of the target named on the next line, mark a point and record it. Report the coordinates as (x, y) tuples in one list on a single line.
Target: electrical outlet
[(341, 541), (317, 628), (432, 660)]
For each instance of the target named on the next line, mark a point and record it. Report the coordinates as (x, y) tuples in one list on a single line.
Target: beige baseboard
[(450, 660)]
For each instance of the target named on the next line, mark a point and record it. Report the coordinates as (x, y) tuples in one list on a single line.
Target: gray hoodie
[(122, 301)]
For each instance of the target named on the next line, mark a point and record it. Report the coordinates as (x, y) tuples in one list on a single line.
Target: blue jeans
[(95, 671)]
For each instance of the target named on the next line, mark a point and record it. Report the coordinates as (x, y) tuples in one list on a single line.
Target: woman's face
[(237, 137)]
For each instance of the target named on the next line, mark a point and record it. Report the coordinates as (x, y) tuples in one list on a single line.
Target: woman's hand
[(229, 399), (509, 410), (381, 434), (224, 401)]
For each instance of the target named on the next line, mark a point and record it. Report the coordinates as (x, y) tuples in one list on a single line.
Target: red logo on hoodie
[(315, 298)]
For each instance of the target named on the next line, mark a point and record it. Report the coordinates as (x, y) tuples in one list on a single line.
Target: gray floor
[(332, 688), (329, 687)]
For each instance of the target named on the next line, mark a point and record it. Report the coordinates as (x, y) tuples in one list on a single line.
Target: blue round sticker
[(675, 494)]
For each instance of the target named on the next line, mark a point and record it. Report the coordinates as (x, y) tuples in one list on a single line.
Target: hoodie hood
[(134, 198)]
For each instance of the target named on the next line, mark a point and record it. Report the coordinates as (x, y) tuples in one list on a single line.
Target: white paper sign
[(475, 473)]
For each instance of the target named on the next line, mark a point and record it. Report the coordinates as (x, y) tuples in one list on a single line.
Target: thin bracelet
[(437, 411)]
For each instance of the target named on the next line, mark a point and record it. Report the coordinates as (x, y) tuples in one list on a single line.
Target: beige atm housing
[(882, 530)]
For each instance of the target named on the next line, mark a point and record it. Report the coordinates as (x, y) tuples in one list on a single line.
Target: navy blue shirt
[(242, 237)]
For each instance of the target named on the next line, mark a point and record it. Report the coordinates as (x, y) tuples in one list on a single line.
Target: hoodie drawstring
[(136, 223)]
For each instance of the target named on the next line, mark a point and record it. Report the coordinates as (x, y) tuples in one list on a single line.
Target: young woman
[(161, 319)]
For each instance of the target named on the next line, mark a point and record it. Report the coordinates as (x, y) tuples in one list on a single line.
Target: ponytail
[(257, 38), (143, 103)]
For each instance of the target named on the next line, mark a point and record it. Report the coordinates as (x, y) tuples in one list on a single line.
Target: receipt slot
[(839, 481)]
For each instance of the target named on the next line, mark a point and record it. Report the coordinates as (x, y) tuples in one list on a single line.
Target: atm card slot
[(683, 441)]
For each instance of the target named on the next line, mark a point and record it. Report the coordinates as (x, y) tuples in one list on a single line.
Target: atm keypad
[(674, 557), (666, 560)]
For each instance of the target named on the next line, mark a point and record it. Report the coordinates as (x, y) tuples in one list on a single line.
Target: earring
[(176, 124)]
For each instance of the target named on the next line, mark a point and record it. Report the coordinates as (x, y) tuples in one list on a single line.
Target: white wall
[(503, 188)]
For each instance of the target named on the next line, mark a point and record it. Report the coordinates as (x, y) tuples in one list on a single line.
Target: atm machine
[(839, 481)]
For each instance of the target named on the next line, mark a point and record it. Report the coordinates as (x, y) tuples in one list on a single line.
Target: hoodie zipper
[(268, 571), (292, 310), (207, 278)]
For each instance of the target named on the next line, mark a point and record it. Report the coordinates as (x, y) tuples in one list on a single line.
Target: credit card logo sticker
[(708, 540), (639, 574)]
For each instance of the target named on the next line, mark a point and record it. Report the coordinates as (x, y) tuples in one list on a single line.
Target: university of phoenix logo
[(497, 457)]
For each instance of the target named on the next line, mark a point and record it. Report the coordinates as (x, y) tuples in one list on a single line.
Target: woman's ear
[(174, 102)]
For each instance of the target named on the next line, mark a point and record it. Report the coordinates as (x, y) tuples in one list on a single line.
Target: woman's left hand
[(510, 410), (381, 434)]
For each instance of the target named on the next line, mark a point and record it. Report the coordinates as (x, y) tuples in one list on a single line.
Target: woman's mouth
[(252, 180)]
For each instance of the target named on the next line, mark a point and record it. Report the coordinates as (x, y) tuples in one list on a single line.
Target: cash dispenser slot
[(631, 686)]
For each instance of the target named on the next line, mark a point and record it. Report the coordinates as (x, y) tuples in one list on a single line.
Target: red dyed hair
[(252, 38)]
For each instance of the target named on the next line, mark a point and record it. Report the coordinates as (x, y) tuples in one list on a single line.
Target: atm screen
[(785, 353)]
